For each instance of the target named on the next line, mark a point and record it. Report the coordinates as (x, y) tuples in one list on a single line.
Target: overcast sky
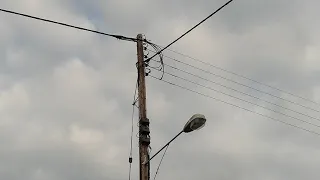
[(65, 95)]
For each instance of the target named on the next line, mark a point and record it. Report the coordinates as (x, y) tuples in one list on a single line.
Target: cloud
[(65, 95)]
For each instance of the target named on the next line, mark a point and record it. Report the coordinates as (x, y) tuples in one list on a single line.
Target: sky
[(66, 95)]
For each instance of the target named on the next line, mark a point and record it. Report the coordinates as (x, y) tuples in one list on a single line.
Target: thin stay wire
[(236, 82), (164, 153), (237, 106), (244, 77), (249, 102), (235, 90), (132, 122), (216, 11), (119, 37)]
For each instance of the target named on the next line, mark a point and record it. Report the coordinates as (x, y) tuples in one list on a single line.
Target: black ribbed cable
[(120, 37), (220, 8)]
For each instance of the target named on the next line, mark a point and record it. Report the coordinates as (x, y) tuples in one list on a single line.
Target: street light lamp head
[(196, 122)]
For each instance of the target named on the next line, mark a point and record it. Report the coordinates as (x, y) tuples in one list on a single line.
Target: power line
[(130, 156), (237, 106), (249, 102), (233, 81), (244, 77), (235, 90), (165, 151), (131, 136), (120, 37), (190, 30)]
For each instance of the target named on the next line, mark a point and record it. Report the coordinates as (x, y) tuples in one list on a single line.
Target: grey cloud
[(65, 95)]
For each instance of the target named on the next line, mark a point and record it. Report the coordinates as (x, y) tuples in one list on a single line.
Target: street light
[(196, 122)]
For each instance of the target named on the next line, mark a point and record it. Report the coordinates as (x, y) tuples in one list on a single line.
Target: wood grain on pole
[(143, 148)]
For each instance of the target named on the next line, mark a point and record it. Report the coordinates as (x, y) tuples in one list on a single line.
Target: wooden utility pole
[(144, 132)]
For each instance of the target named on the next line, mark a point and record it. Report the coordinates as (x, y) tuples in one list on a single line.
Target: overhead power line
[(244, 77), (235, 90), (131, 134), (243, 100), (237, 106), (189, 30), (120, 37), (236, 82)]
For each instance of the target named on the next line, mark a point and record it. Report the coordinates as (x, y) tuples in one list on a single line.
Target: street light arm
[(163, 147)]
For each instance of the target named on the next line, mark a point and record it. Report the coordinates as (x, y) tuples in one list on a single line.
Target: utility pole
[(144, 131)]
